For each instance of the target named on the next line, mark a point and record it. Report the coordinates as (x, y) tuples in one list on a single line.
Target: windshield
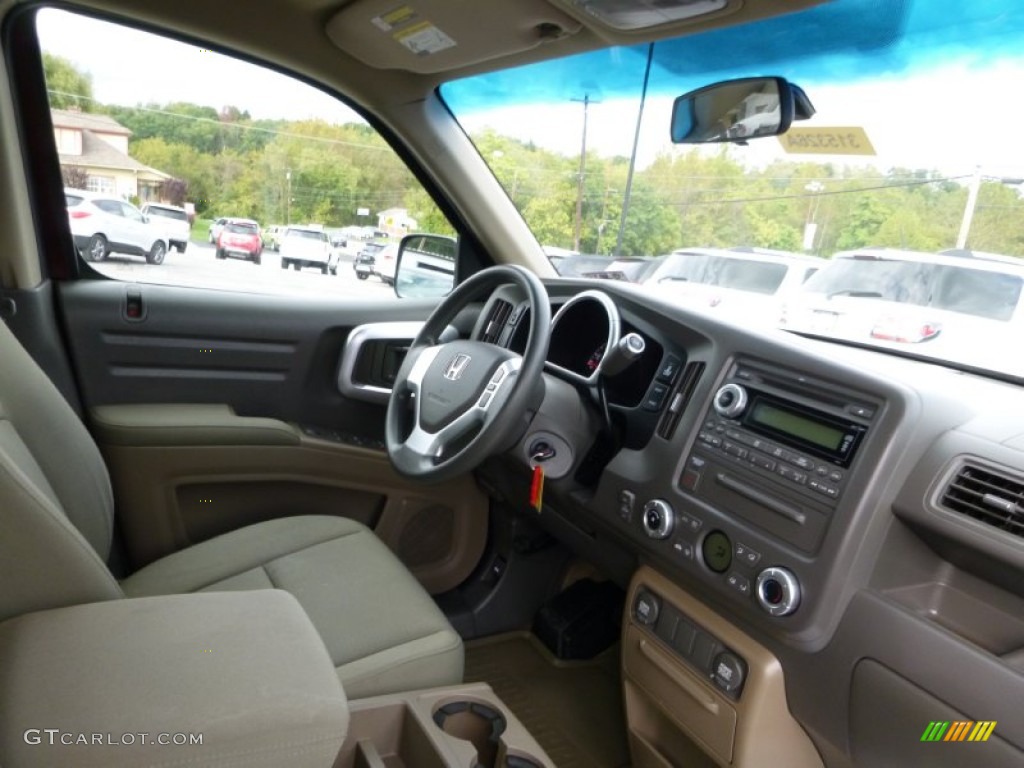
[(167, 213), (911, 151), (241, 229)]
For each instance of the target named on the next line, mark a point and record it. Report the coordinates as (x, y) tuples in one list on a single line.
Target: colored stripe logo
[(958, 730)]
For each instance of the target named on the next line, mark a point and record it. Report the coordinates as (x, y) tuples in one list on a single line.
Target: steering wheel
[(454, 404)]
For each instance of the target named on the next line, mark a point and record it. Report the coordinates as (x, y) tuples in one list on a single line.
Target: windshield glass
[(910, 152), (168, 213), (241, 229)]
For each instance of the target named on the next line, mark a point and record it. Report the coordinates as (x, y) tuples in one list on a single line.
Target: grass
[(201, 230)]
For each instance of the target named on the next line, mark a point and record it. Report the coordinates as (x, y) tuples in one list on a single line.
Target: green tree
[(66, 85)]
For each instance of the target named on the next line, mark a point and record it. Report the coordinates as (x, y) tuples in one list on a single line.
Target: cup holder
[(478, 724)]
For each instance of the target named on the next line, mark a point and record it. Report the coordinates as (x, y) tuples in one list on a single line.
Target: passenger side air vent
[(496, 321), (680, 398), (983, 494)]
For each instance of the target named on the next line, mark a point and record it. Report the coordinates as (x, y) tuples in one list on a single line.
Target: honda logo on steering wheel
[(455, 368)]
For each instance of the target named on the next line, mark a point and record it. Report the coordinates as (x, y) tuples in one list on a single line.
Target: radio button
[(791, 474), (803, 462), (735, 450), (715, 441), (821, 470), (747, 555), (836, 476), (824, 488), (762, 461), (688, 521)]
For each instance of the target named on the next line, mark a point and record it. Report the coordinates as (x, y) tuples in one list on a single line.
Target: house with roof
[(98, 145)]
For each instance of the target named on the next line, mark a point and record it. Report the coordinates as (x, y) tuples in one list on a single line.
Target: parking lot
[(198, 267)]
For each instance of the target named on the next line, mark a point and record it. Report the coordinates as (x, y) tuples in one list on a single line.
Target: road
[(198, 267)]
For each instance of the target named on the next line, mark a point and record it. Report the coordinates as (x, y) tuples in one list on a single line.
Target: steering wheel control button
[(778, 591), (646, 608), (729, 672), (730, 400), (717, 551), (658, 519)]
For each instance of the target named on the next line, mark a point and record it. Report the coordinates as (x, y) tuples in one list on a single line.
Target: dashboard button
[(684, 549), (669, 369), (740, 583), (803, 462), (691, 523), (735, 450), (835, 476), (646, 608), (690, 480), (824, 488), (762, 461), (627, 502), (686, 633), (656, 397), (715, 441), (728, 672), (791, 474), (746, 555), (821, 470)]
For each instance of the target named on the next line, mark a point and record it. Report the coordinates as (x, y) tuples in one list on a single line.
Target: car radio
[(776, 447)]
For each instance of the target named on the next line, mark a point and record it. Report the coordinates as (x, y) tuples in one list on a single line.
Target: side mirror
[(425, 266), (737, 110)]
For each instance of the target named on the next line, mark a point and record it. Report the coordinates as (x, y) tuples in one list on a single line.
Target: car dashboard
[(855, 515)]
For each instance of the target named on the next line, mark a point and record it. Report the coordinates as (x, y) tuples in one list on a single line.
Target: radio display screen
[(790, 423)]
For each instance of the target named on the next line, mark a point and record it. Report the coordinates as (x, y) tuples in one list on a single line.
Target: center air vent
[(993, 498), (496, 321)]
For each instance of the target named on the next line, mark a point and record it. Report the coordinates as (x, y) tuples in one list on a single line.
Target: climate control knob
[(778, 591), (730, 400), (658, 519)]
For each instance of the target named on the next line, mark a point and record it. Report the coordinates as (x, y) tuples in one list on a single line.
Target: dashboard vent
[(993, 498), (496, 321), (680, 398)]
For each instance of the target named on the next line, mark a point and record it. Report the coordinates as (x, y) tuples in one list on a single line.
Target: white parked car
[(965, 307), (102, 224), (307, 246), (174, 220), (748, 284)]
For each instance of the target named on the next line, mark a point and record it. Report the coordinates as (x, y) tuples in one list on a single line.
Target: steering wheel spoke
[(454, 404)]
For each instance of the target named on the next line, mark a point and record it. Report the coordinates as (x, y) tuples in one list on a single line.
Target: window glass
[(267, 149)]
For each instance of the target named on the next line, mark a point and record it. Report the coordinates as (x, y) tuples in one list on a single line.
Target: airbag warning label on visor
[(386, 22), (424, 39), (826, 141)]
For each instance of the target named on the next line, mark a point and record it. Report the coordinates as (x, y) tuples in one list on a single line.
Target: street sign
[(826, 141)]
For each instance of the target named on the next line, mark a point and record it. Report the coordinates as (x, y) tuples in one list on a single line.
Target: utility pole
[(586, 101), (288, 199), (972, 201)]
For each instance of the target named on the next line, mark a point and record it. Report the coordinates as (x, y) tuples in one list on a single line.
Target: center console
[(698, 691)]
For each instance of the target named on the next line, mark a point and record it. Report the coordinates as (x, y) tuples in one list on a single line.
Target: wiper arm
[(673, 279), (856, 294)]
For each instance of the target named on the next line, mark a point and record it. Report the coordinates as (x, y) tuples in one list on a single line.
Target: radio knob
[(730, 400), (658, 519), (778, 591)]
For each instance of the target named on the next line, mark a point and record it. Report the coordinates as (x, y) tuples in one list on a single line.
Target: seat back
[(56, 505)]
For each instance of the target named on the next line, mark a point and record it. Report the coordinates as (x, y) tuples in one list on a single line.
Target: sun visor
[(439, 35)]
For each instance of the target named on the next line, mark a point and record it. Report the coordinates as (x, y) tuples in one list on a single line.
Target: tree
[(74, 176), (174, 191), (66, 85)]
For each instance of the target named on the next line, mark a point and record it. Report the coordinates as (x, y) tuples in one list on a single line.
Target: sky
[(931, 123)]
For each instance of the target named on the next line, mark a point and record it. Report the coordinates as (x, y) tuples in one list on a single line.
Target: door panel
[(216, 410)]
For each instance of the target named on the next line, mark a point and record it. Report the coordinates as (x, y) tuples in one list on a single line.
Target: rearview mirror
[(737, 110), (426, 266)]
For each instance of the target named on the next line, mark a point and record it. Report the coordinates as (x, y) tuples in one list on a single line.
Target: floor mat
[(572, 708)]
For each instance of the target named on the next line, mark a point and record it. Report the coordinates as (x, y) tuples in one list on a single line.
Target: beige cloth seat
[(382, 630)]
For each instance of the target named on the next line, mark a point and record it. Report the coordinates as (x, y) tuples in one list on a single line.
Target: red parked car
[(240, 238)]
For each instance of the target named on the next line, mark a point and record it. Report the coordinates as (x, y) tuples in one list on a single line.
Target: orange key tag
[(537, 488)]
